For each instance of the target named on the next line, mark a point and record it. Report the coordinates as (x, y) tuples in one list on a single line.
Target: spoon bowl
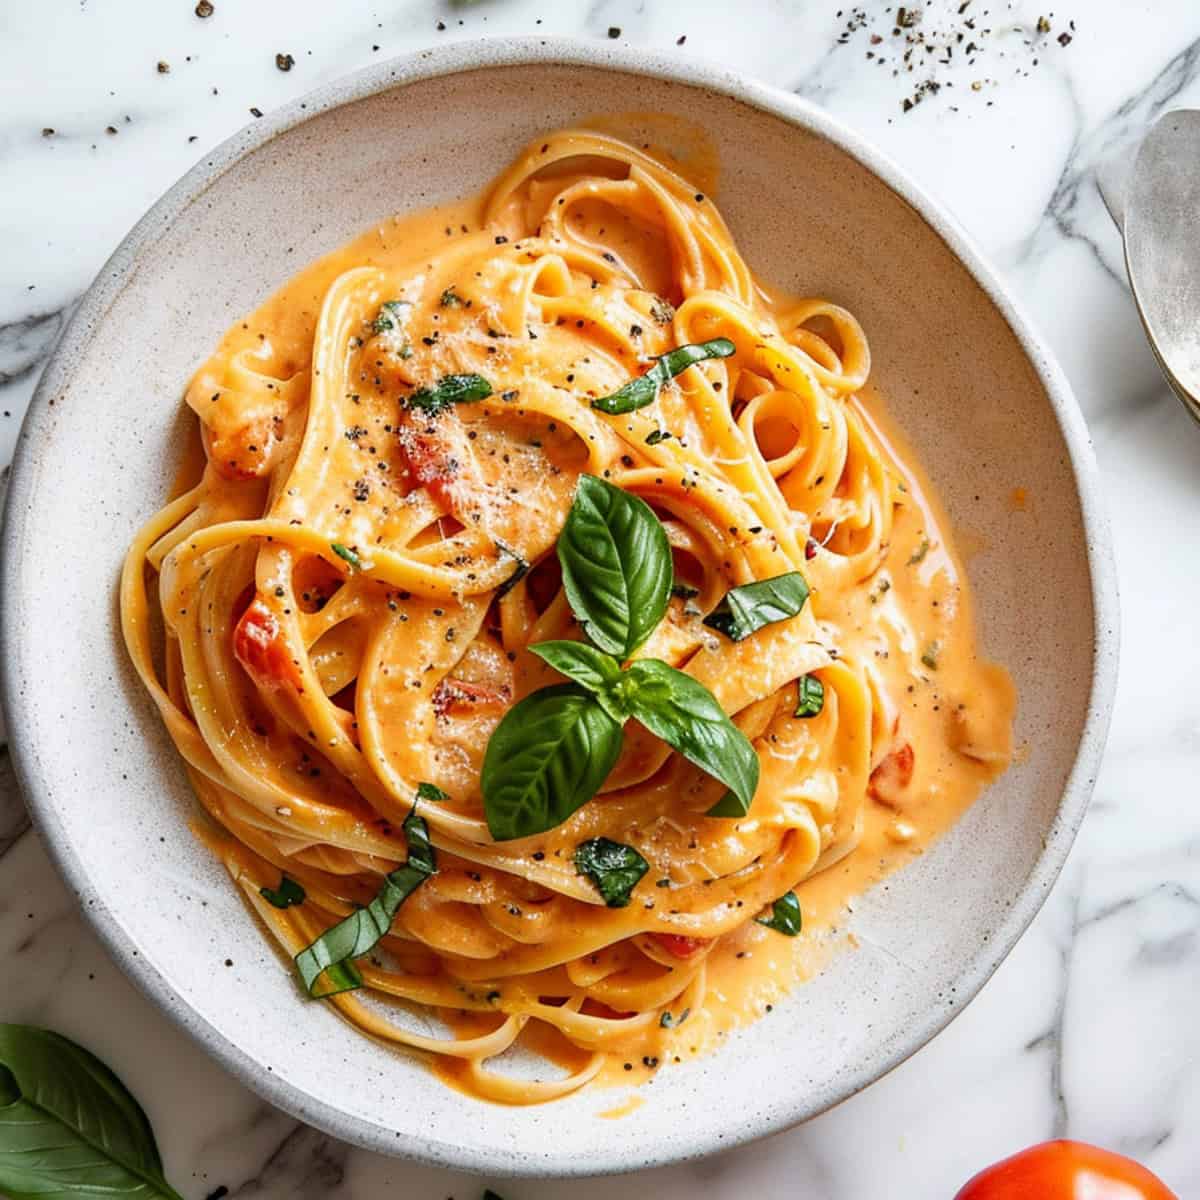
[(1162, 248)]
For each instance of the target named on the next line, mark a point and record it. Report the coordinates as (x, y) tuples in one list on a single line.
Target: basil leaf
[(69, 1126), (389, 315), (450, 390), (785, 915), (613, 867), (812, 697), (547, 757), (431, 792), (616, 565), (600, 673), (666, 1021), (686, 715), (344, 552), (637, 393), (728, 806), (288, 892), (748, 608), (325, 965)]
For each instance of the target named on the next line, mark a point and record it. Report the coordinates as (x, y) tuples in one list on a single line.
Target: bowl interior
[(109, 791)]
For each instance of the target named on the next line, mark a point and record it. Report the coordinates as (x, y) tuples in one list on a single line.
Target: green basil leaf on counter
[(637, 393), (811, 696), (785, 915), (288, 892), (69, 1126), (686, 715), (326, 966), (547, 757), (613, 867), (450, 390), (746, 609), (616, 565)]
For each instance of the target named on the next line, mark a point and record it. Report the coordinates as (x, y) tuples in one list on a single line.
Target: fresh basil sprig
[(785, 915), (288, 892), (431, 792), (616, 565), (69, 1126), (637, 393), (613, 867), (326, 966), (552, 751), (450, 390), (746, 609)]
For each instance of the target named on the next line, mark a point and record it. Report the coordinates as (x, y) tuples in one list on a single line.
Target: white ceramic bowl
[(812, 208)]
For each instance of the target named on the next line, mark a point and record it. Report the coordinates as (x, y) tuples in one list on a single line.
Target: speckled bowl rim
[(514, 52)]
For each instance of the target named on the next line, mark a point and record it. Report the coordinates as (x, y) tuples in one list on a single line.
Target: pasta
[(351, 575)]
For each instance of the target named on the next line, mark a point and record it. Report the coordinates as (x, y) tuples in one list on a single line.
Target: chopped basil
[(656, 436), (451, 299), (811, 696), (930, 657), (288, 892), (919, 553), (450, 390), (519, 571), (389, 315), (637, 393), (785, 915), (344, 552), (746, 609), (326, 966), (613, 867), (666, 1021), (432, 793)]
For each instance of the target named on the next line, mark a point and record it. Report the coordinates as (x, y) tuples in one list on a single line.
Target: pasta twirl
[(350, 583)]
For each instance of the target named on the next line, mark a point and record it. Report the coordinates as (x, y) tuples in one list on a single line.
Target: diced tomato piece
[(259, 646), (678, 944), (438, 457), (891, 778), (457, 696)]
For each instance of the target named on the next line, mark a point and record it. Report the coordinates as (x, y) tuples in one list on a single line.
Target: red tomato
[(679, 945), (259, 646), (1066, 1171), (891, 778)]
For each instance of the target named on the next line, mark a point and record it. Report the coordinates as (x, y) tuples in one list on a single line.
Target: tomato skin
[(259, 646), (678, 944), (891, 778), (1065, 1170)]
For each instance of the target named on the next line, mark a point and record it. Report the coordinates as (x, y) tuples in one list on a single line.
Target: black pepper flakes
[(205, 9), (163, 67), (256, 112), (614, 31), (285, 62)]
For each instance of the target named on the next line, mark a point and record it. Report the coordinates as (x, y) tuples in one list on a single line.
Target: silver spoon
[(1157, 205)]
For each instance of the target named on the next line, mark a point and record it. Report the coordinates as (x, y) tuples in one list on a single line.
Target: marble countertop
[(1088, 1030)]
